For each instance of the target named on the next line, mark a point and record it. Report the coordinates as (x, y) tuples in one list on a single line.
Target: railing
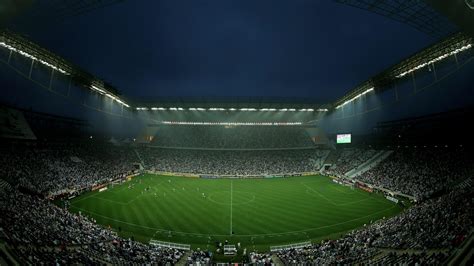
[(163, 244), (290, 246), (233, 149), (397, 193), (230, 176), (373, 162)]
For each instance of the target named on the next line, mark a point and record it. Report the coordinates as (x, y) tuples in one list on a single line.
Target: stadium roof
[(417, 14), (64, 20), (436, 53), (15, 43)]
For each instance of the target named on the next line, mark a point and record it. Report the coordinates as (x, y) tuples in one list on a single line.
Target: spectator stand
[(387, 191)]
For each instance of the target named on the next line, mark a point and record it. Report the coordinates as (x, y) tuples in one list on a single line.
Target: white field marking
[(343, 204), (231, 191), (209, 197), (317, 192), (355, 191), (333, 186), (256, 235), (141, 195), (338, 188), (367, 197), (93, 194), (117, 202), (108, 191), (352, 202), (114, 201)]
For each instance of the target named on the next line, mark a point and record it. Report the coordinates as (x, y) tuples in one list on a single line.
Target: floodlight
[(434, 60)]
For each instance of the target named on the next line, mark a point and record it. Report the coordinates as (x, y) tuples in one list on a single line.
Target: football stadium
[(272, 132)]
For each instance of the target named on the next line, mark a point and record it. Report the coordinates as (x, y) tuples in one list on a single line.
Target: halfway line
[(231, 189)]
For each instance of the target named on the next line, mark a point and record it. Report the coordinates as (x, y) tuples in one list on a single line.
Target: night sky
[(314, 49)]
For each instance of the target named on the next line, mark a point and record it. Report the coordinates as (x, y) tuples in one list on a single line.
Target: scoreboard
[(343, 138)]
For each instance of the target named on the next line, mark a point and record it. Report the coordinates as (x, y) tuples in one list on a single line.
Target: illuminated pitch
[(258, 213)]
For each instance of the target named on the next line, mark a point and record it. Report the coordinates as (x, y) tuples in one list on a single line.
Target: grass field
[(256, 212)]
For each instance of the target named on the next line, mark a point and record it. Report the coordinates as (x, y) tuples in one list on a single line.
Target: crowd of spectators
[(214, 162), (39, 232), (232, 137), (349, 249), (421, 172), (49, 168), (413, 258), (349, 159), (199, 257), (260, 258), (439, 223)]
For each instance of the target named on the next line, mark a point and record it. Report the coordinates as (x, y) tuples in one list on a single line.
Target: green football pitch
[(258, 213)]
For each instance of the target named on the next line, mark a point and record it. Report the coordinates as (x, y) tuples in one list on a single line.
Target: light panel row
[(231, 109)]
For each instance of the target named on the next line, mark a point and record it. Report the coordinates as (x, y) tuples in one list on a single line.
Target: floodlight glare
[(25, 54), (60, 70), (231, 123), (439, 58), (355, 97), (101, 91), (122, 103)]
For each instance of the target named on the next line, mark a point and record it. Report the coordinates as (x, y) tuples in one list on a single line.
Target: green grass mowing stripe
[(268, 234), (188, 212), (271, 216), (280, 205), (148, 210), (173, 210)]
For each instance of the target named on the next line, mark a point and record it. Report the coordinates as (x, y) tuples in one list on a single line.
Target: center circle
[(237, 197)]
